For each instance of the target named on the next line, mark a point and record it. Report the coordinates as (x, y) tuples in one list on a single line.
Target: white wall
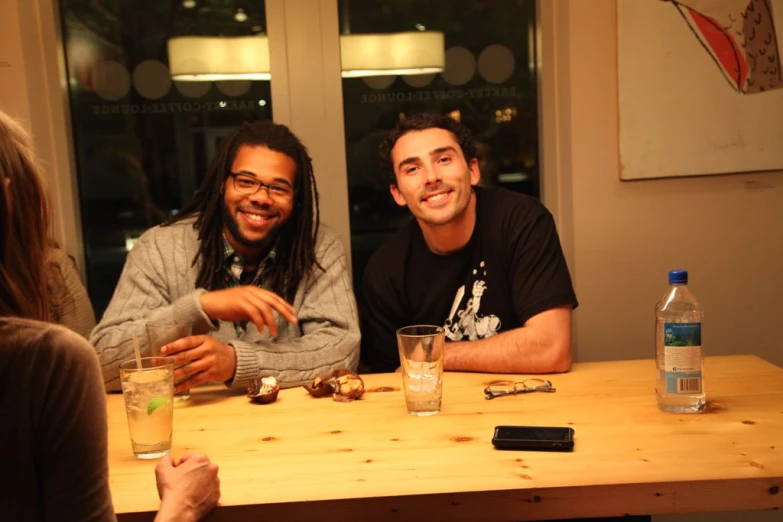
[(625, 236), (13, 78), (726, 230)]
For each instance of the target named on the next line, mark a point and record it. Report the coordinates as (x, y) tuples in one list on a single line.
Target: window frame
[(307, 92)]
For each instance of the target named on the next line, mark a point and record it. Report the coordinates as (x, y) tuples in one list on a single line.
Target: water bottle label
[(682, 357)]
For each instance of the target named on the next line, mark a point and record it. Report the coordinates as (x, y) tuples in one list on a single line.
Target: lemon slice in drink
[(155, 403)]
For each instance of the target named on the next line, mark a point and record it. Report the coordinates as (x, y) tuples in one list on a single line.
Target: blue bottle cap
[(678, 277)]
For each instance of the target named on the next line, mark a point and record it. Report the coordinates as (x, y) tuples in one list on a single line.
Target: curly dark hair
[(295, 249), (419, 122)]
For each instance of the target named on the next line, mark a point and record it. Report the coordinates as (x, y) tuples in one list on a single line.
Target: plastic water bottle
[(679, 358)]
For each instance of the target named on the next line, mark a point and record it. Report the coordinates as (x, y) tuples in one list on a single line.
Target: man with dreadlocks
[(246, 264)]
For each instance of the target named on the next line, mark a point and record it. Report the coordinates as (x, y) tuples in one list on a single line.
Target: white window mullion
[(308, 97), (278, 61)]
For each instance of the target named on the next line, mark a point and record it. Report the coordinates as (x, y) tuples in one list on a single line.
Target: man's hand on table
[(200, 359), (189, 487)]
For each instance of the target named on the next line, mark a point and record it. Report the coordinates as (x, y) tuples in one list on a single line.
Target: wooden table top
[(302, 457)]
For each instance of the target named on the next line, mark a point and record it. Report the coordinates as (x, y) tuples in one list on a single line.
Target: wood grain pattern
[(301, 456)]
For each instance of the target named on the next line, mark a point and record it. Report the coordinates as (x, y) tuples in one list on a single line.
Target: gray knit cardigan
[(158, 283)]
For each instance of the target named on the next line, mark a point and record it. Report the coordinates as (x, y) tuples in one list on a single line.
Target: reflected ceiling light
[(211, 58), (376, 54), (214, 58), (240, 15), (189, 4)]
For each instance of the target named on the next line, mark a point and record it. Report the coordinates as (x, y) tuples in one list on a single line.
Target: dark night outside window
[(489, 84), (143, 141)]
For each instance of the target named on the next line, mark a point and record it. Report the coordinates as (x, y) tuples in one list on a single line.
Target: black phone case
[(535, 445)]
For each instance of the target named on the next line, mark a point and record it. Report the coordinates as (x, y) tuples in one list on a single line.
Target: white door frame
[(307, 96)]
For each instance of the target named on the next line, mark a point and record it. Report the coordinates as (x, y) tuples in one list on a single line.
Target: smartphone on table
[(538, 438)]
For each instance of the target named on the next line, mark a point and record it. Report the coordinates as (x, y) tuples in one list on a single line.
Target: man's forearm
[(528, 349), (300, 360)]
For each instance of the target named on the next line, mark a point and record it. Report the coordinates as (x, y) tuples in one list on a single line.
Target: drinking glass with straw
[(161, 333)]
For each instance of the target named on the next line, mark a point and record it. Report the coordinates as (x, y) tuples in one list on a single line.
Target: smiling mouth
[(434, 198), (257, 218)]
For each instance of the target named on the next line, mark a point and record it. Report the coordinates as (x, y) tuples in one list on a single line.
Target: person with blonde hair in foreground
[(52, 403)]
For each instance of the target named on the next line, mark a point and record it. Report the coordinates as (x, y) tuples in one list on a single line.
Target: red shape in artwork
[(723, 47)]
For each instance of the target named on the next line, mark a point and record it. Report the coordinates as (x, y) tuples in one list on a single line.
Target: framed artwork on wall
[(700, 87)]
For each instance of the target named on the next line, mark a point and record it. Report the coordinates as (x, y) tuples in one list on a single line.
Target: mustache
[(256, 206)]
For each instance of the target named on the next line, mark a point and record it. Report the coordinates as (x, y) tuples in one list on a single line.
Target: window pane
[(142, 140), (489, 84)]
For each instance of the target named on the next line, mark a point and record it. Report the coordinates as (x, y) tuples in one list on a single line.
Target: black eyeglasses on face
[(249, 185), (500, 388)]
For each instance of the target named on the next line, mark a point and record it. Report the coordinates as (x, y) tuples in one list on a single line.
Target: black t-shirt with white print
[(511, 269)]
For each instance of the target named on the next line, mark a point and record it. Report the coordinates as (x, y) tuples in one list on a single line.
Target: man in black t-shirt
[(485, 263)]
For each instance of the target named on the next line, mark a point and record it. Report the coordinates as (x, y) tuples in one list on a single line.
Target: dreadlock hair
[(295, 250), (419, 122)]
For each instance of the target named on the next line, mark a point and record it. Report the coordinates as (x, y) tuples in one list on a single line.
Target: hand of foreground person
[(189, 487)]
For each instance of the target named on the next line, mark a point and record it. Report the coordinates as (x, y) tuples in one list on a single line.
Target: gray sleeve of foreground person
[(158, 283), (73, 308)]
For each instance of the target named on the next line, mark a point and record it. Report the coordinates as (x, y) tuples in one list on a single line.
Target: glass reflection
[(142, 141), (489, 84)]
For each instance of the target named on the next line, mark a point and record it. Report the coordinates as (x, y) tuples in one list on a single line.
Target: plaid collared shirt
[(235, 275)]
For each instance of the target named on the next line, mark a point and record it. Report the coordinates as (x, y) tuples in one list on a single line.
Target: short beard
[(262, 244)]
